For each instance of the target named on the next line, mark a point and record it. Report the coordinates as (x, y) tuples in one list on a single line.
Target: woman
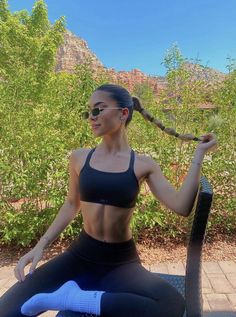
[(101, 272)]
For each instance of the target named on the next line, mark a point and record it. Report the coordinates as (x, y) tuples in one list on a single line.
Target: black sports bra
[(109, 188)]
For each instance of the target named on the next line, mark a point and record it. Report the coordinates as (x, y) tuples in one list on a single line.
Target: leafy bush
[(40, 124)]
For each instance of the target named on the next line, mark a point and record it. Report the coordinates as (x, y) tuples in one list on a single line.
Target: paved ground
[(218, 285)]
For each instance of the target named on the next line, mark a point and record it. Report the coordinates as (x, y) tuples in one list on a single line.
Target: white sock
[(68, 297)]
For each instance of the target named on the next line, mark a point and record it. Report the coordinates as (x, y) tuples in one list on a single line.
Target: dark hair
[(121, 96), (125, 100)]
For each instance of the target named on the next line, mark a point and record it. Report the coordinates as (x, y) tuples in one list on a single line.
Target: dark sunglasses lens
[(95, 111), (85, 115)]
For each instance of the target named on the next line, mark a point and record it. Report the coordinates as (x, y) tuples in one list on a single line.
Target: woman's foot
[(58, 300)]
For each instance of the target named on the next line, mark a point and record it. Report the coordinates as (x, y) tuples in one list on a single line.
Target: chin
[(97, 134)]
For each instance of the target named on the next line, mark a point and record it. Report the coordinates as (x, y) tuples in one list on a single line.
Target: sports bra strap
[(89, 156), (131, 163)]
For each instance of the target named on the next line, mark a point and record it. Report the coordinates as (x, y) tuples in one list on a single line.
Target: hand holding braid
[(147, 116), (208, 143)]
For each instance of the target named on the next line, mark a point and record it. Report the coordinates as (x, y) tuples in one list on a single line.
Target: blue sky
[(128, 34)]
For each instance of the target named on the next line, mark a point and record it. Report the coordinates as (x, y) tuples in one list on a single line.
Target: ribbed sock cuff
[(87, 302)]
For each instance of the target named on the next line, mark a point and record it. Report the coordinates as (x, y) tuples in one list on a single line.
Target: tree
[(28, 50), (4, 11), (226, 94)]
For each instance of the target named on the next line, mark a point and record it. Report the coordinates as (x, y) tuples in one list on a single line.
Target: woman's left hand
[(208, 142)]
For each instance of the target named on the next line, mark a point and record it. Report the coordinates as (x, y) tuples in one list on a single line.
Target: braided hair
[(125, 100)]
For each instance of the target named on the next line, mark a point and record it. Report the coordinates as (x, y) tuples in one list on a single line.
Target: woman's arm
[(187, 192), (66, 214), (68, 210), (180, 201)]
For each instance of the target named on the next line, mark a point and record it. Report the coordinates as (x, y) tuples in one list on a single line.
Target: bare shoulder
[(78, 157), (78, 153), (146, 160), (146, 164)]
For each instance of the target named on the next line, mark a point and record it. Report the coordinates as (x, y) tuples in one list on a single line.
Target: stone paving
[(218, 285)]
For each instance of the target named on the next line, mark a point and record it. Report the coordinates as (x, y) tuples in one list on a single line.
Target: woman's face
[(108, 120)]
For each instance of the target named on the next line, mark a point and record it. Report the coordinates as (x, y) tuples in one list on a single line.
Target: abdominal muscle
[(106, 223)]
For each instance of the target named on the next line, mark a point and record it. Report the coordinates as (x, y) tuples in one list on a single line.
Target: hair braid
[(147, 116)]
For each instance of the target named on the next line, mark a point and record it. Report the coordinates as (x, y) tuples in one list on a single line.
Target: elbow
[(184, 212), (183, 206)]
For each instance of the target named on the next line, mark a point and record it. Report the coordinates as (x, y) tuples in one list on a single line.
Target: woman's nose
[(92, 117)]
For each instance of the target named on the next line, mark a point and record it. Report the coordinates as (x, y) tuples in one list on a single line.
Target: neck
[(117, 142)]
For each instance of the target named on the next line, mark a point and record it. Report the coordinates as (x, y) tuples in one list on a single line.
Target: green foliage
[(28, 53), (4, 11), (180, 102), (145, 93), (173, 59), (226, 94), (40, 124), (24, 227), (39, 23)]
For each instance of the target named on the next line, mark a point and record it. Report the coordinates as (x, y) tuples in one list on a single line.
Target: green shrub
[(40, 124)]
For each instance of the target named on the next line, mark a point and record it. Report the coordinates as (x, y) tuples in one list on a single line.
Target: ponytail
[(148, 117)]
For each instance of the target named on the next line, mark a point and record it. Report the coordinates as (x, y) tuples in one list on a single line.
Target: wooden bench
[(189, 285)]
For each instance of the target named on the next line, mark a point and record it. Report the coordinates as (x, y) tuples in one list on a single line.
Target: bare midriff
[(107, 223)]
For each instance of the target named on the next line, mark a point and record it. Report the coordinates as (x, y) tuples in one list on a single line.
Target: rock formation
[(75, 51)]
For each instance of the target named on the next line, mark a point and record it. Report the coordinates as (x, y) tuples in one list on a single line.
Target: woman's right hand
[(34, 256)]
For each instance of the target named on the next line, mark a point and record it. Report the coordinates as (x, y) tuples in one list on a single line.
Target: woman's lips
[(95, 126)]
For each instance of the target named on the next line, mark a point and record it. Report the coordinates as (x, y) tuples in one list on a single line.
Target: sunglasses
[(95, 112)]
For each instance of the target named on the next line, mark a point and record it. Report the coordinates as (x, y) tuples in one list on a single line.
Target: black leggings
[(130, 289)]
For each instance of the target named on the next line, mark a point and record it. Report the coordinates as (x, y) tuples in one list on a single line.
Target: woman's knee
[(170, 304), (170, 307), (174, 304), (178, 305)]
